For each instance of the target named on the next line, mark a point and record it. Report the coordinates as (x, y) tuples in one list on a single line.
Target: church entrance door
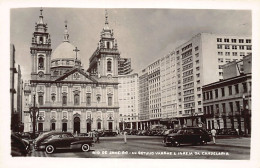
[(110, 125), (88, 127), (77, 125)]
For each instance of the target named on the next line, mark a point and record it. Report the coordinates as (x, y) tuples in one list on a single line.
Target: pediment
[(76, 75)]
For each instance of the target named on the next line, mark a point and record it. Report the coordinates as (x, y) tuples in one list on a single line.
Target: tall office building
[(199, 62), (128, 101)]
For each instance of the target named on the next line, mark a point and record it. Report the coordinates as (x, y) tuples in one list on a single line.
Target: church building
[(68, 97)]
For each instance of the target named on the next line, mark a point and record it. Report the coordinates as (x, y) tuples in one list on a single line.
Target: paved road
[(152, 147)]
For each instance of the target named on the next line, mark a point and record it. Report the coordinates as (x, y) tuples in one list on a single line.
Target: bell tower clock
[(41, 51)]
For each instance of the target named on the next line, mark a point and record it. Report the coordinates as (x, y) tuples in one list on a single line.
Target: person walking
[(213, 133), (97, 136), (125, 137)]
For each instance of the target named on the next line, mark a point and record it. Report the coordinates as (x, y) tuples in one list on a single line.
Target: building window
[(219, 46), (248, 47), (40, 100), (64, 100), (88, 99), (109, 100), (234, 53), (236, 89), (41, 63), (238, 106), (248, 41), (76, 99), (217, 108), (53, 98), (98, 99), (227, 47), (241, 40), (109, 66), (216, 93), (108, 44), (197, 48), (224, 107), (234, 47), (233, 40), (53, 126), (226, 40), (230, 90), (99, 125), (241, 47), (220, 53), (227, 53), (231, 107), (223, 92), (244, 87), (219, 39)]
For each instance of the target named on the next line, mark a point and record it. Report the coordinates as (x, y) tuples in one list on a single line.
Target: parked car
[(109, 133), (64, 140), (227, 131), (191, 135), (19, 147)]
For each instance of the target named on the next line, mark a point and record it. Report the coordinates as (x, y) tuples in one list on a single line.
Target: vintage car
[(62, 140), (19, 147), (192, 135)]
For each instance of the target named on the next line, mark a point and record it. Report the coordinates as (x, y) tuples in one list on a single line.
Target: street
[(152, 147)]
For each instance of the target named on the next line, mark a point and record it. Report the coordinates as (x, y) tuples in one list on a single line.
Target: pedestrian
[(213, 133), (125, 137), (97, 135)]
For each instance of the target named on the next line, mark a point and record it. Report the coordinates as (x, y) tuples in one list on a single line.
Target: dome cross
[(76, 50)]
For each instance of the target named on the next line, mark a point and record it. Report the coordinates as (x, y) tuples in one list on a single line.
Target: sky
[(143, 35)]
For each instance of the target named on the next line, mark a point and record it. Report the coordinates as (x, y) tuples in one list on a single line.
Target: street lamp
[(193, 115), (34, 113)]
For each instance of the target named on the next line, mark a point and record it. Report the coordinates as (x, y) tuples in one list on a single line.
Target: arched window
[(41, 40), (76, 99), (40, 100), (41, 63), (88, 99), (109, 100), (98, 99), (99, 125), (109, 66), (64, 100), (53, 98)]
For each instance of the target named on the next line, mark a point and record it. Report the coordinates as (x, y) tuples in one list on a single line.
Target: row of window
[(234, 47), (209, 95), (226, 40), (222, 108), (76, 99)]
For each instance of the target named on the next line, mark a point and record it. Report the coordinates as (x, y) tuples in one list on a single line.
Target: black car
[(19, 147), (62, 140), (187, 135)]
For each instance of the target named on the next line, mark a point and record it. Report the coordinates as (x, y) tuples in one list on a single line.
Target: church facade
[(68, 97)]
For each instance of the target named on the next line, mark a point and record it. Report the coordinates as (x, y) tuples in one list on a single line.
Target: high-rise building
[(124, 66), (199, 62), (128, 101)]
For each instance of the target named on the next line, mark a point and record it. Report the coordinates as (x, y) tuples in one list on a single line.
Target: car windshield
[(42, 135)]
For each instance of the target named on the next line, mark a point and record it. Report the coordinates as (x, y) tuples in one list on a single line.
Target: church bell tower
[(41, 51), (104, 61)]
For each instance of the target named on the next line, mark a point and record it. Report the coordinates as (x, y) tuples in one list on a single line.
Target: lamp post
[(33, 113), (193, 115)]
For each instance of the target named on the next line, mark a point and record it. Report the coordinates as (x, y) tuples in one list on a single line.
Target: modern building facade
[(124, 66), (128, 101), (69, 98), (227, 103), (168, 90), (16, 92), (200, 62)]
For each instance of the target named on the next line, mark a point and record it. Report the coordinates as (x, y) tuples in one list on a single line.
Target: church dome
[(65, 51)]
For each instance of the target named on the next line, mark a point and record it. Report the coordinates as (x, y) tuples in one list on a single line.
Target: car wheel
[(85, 147), (49, 149), (203, 142), (176, 143)]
